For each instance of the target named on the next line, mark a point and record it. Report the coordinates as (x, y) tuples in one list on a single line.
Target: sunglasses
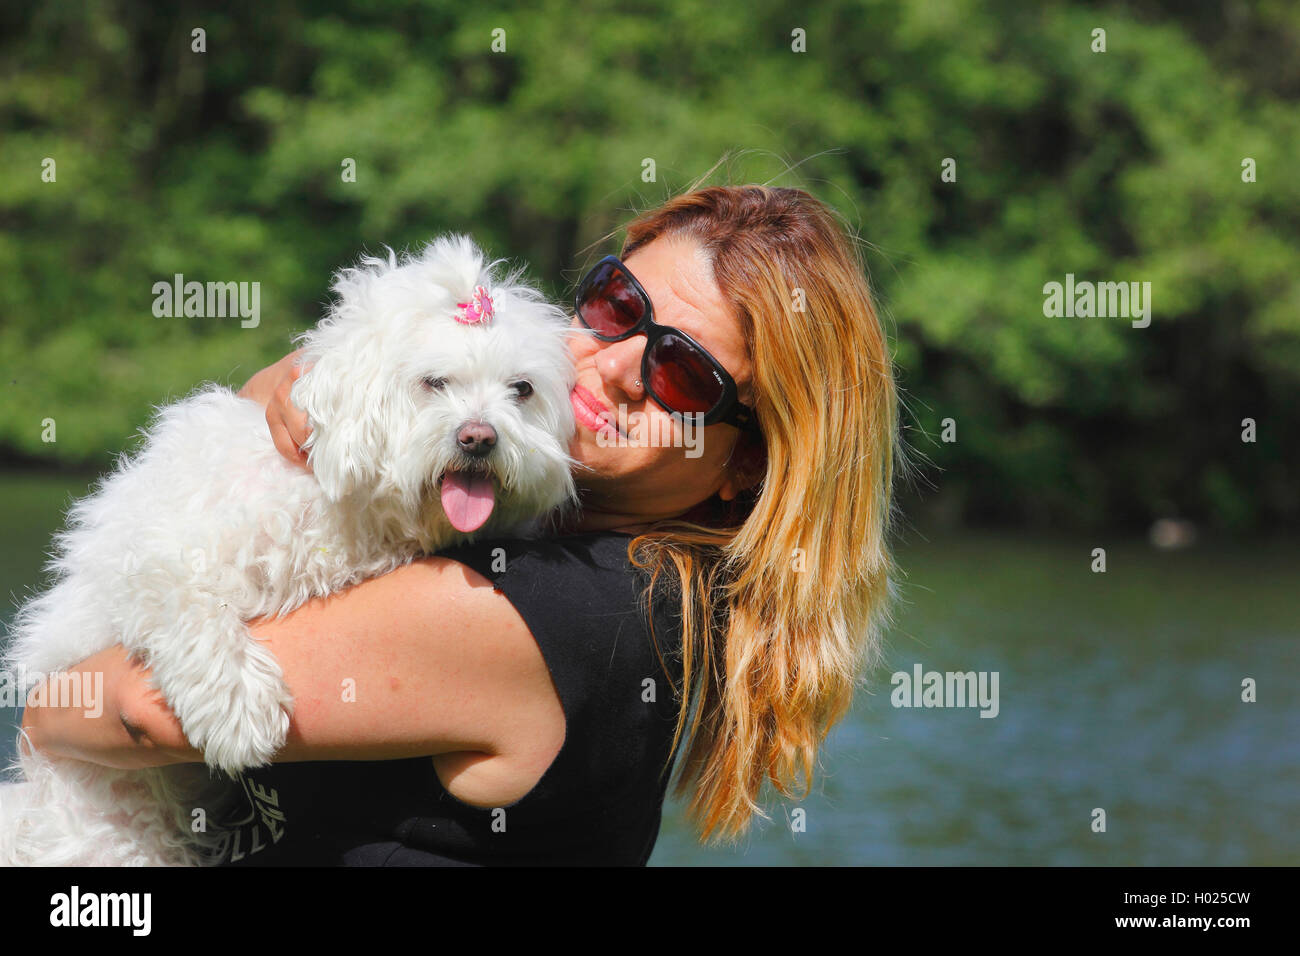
[(677, 371)]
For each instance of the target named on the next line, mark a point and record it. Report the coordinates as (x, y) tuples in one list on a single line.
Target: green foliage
[(1123, 165)]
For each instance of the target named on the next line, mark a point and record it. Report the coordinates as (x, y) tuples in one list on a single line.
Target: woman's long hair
[(783, 591)]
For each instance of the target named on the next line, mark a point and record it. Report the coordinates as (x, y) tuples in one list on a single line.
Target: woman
[(548, 695)]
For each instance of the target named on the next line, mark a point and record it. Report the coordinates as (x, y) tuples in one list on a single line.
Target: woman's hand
[(270, 388), (105, 725)]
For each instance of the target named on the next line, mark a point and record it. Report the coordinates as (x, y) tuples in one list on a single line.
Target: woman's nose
[(619, 364)]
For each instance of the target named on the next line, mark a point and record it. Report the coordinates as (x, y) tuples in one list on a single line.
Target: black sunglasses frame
[(729, 410)]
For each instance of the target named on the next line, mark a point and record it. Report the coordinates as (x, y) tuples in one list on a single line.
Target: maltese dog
[(438, 396)]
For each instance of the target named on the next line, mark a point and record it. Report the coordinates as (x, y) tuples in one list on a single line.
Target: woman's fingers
[(295, 418), (284, 442), (288, 423)]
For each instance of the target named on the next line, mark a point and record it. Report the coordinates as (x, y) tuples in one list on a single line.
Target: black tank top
[(600, 801)]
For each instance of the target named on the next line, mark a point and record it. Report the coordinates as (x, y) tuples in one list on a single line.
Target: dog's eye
[(522, 388), (434, 384)]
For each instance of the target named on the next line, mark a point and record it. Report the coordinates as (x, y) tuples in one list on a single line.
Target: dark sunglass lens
[(682, 376), (608, 303)]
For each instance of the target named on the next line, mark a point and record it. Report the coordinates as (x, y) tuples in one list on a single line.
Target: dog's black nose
[(476, 438)]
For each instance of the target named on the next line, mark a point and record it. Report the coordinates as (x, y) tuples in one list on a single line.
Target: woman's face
[(657, 468)]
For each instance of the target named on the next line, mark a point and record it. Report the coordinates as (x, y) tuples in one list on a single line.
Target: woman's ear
[(746, 467)]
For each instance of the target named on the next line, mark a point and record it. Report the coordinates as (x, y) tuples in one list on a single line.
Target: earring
[(638, 383)]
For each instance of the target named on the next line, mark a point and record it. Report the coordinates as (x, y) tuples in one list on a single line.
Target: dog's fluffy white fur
[(207, 527)]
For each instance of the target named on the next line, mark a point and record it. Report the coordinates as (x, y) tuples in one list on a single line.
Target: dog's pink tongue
[(467, 499)]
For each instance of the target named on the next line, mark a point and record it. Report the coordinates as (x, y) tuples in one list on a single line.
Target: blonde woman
[(518, 702)]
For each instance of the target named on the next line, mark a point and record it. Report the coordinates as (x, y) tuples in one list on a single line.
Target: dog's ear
[(352, 402), (349, 392), (345, 404)]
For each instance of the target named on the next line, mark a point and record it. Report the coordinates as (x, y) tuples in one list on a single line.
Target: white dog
[(438, 395)]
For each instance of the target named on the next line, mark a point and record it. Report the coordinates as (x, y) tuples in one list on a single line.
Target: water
[(1119, 691)]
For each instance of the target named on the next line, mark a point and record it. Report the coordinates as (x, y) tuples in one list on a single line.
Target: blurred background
[(1120, 690)]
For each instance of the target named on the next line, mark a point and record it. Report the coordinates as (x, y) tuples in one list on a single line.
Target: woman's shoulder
[(606, 547), (586, 605), (564, 567)]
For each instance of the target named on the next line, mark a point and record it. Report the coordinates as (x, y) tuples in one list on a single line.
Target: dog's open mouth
[(467, 498)]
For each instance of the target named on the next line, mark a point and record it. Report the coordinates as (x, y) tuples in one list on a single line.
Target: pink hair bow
[(477, 310)]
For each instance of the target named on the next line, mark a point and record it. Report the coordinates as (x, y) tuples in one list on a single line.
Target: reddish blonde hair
[(784, 590)]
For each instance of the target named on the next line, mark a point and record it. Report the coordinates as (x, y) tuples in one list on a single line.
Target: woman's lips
[(594, 415)]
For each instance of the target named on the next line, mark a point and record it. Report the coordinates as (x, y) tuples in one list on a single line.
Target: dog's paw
[(252, 732), (243, 721)]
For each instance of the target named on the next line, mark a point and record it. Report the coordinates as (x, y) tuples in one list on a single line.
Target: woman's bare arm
[(425, 660)]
